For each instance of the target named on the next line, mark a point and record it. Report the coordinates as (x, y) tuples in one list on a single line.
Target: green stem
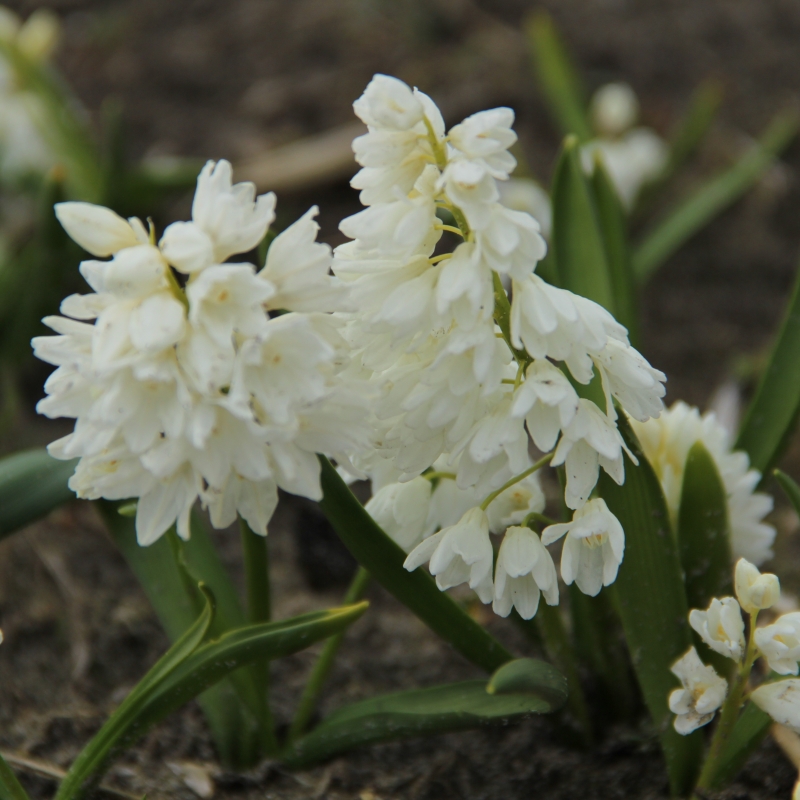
[(435, 476), (502, 316), (516, 479), (730, 712), (319, 674), (259, 609)]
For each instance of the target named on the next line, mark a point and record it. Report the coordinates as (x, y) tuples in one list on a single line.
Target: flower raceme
[(180, 393), (467, 374)]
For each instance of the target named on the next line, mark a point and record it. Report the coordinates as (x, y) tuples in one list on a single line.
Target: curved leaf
[(383, 559), (772, 414), (439, 709), (32, 484), (790, 487), (652, 603), (10, 787)]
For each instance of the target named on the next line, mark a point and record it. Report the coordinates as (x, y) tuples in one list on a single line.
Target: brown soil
[(231, 79)]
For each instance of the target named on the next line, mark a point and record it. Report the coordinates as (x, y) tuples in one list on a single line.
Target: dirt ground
[(233, 79)]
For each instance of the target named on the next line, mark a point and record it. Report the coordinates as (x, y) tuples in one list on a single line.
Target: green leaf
[(772, 414), (558, 77), (10, 787), (652, 603), (89, 765), (703, 530), (521, 689), (231, 707), (614, 231), (694, 213), (577, 241), (790, 487), (383, 559), (32, 484), (751, 727)]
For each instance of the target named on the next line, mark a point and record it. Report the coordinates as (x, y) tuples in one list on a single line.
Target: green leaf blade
[(652, 603), (383, 559), (10, 787)]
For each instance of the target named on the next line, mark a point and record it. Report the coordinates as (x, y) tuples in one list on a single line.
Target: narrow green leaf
[(383, 559), (231, 707), (531, 688), (652, 603), (790, 487), (703, 530), (771, 417), (32, 484), (614, 231), (558, 77), (577, 241), (694, 213), (10, 787), (751, 727), (88, 766)]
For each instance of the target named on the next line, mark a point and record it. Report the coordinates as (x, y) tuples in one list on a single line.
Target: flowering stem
[(450, 228), (502, 316), (516, 479), (439, 151), (435, 476), (319, 674), (730, 711), (175, 288), (259, 609), (442, 257)]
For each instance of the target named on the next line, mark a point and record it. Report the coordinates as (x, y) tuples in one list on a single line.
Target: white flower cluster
[(722, 628), (631, 155), (181, 382), (461, 368), (666, 442)]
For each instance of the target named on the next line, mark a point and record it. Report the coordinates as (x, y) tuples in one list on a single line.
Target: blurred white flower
[(702, 694), (781, 700), (779, 643), (721, 627), (614, 109)]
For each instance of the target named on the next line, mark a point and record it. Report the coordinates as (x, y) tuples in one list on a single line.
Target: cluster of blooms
[(23, 148), (461, 369), (181, 382), (666, 442), (631, 155), (722, 628)]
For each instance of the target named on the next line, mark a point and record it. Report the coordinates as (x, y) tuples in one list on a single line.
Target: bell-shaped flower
[(226, 219), (524, 570), (781, 700), (548, 402), (511, 243), (297, 266), (461, 553), (754, 590), (99, 230), (511, 506), (779, 643), (486, 137), (389, 103), (593, 549), (702, 694), (401, 509), (721, 627), (471, 187)]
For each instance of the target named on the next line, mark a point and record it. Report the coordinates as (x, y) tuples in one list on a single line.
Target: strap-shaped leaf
[(694, 213), (703, 530), (790, 487), (383, 559), (32, 484), (614, 231), (751, 727), (10, 787), (231, 707), (558, 77), (652, 603), (577, 240), (772, 415), (89, 764), (532, 687)]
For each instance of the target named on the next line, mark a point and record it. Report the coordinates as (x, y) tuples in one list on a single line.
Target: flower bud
[(614, 109), (754, 590)]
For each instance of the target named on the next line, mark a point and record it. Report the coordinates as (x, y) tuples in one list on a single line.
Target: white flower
[(779, 643), (721, 627), (523, 194), (511, 506), (486, 137), (389, 103), (401, 509), (666, 442), (99, 230), (781, 700), (470, 185), (461, 553), (702, 694), (754, 590), (226, 219), (524, 569), (511, 242), (593, 549), (614, 109)]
